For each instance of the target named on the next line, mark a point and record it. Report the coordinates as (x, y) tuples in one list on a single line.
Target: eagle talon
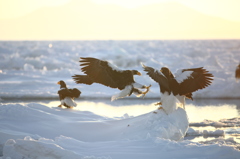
[(147, 87), (159, 103)]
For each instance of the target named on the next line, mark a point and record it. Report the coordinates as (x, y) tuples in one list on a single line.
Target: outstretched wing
[(158, 77), (105, 73), (82, 79), (191, 80)]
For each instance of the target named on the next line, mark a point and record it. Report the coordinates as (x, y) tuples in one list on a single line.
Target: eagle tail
[(125, 92), (69, 102), (82, 79)]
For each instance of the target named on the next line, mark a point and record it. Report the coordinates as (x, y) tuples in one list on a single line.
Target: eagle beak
[(58, 82), (139, 74)]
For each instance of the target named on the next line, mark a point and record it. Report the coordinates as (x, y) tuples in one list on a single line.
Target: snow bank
[(29, 148), (38, 131), (32, 68), (50, 123), (66, 147)]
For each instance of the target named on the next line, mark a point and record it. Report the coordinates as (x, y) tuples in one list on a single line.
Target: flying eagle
[(183, 84), (237, 72), (103, 72), (67, 96)]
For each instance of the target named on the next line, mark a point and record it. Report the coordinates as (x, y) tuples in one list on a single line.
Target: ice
[(38, 131), (31, 68), (234, 122), (205, 133)]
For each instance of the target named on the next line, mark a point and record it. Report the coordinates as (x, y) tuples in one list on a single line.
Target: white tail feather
[(125, 92), (69, 101)]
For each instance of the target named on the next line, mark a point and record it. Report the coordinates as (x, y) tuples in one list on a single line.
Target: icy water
[(199, 110)]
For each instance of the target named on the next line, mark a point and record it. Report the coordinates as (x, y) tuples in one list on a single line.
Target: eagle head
[(62, 84), (135, 72)]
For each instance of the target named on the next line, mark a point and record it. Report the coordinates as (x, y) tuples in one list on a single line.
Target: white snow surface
[(32, 68), (37, 131)]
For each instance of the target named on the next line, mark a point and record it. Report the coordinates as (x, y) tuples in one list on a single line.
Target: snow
[(30, 70), (206, 133), (38, 131)]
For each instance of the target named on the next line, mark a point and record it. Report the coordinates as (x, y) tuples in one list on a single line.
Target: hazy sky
[(14, 9)]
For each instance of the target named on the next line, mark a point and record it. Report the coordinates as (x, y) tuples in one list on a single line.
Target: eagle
[(237, 72), (67, 96), (181, 85), (107, 74)]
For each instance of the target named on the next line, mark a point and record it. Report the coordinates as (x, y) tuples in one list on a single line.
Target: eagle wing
[(75, 93), (103, 72), (72, 93), (191, 80), (64, 93), (158, 77)]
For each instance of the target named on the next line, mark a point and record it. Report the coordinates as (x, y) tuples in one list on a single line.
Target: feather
[(185, 82), (68, 102), (103, 72), (125, 92)]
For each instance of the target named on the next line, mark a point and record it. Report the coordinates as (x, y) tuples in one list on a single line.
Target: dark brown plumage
[(66, 96), (103, 72), (183, 84)]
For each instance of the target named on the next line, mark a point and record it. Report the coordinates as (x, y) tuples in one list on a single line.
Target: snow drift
[(38, 131)]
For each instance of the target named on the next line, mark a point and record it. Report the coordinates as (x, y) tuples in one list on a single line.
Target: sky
[(14, 12)]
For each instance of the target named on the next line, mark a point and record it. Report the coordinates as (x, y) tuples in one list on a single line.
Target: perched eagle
[(183, 84), (103, 72), (237, 72), (67, 96)]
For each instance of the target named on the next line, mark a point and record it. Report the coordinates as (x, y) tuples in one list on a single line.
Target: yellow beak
[(139, 74), (58, 82)]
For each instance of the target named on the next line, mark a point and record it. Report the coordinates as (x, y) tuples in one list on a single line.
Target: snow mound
[(29, 148), (66, 147), (52, 133), (172, 126)]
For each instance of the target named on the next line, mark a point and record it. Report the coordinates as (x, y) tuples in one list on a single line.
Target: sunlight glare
[(215, 113), (103, 109)]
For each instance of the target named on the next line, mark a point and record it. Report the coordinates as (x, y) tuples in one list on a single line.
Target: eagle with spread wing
[(103, 72), (183, 84)]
